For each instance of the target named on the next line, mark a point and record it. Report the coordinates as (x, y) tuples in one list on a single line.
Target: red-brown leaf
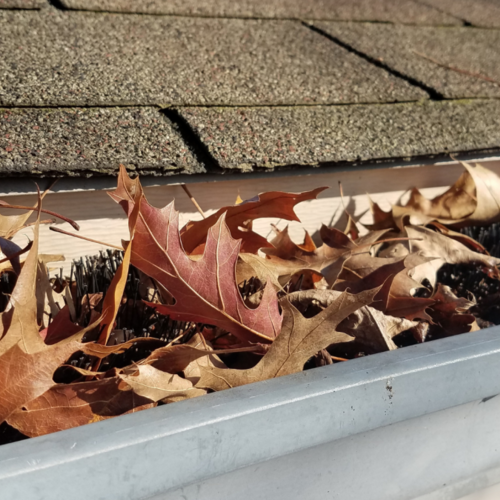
[(272, 204), (205, 290)]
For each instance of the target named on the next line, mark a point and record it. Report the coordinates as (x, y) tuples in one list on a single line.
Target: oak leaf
[(299, 340), (149, 382), (205, 290), (372, 329), (443, 250), (274, 204), (452, 312), (64, 406)]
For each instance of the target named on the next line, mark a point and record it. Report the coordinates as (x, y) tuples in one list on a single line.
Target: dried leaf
[(64, 406), (375, 330), (299, 340), (474, 199), (205, 290), (25, 376), (271, 204), (371, 328), (452, 312), (19, 323), (443, 250), (156, 385)]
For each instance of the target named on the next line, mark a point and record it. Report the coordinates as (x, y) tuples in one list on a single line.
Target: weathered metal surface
[(317, 434)]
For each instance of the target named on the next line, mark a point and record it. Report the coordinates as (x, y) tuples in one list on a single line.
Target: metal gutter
[(332, 421)]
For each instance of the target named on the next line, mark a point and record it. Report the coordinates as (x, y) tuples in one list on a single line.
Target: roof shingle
[(107, 59), (83, 141), (400, 11), (428, 54), (22, 4), (247, 138), (477, 12)]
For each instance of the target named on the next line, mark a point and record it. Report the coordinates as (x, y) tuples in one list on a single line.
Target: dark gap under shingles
[(193, 140), (57, 4), (432, 92)]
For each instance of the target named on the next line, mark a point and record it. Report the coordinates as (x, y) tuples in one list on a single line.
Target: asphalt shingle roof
[(196, 87), (22, 4), (401, 11), (428, 54), (59, 58), (92, 141), (273, 137), (476, 12)]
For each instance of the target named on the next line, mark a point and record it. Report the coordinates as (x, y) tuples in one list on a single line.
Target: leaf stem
[(193, 201)]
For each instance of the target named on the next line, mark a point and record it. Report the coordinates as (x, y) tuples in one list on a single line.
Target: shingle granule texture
[(246, 138), (76, 59), (400, 11), (91, 142), (477, 12), (23, 4), (424, 52)]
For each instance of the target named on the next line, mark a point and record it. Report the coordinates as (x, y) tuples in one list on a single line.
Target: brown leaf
[(452, 312), (299, 340), (178, 358), (65, 406), (49, 302), (409, 307), (375, 330), (60, 328), (156, 385), (442, 249), (271, 204), (371, 328), (19, 323), (25, 376), (205, 290), (114, 294), (474, 199), (285, 248), (469, 242), (327, 259)]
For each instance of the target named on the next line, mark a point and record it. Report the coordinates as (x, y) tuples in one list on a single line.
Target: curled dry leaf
[(151, 383), (474, 199), (372, 329), (452, 312), (299, 340), (375, 330), (271, 204), (205, 290), (428, 243)]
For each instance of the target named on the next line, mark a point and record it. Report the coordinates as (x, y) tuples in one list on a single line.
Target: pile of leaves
[(179, 312)]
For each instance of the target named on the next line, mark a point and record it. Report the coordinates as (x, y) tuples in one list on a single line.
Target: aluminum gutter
[(156, 453)]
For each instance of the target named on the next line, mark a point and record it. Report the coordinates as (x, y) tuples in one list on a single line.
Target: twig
[(3, 204), (194, 202), (57, 230), (458, 70), (18, 253)]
